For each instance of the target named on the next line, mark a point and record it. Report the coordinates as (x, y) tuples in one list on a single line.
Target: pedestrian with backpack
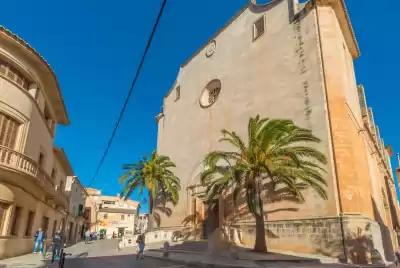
[(57, 243)]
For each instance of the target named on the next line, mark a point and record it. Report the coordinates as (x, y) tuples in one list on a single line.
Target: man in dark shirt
[(57, 242)]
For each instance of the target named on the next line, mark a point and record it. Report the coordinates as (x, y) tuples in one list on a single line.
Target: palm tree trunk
[(260, 245)]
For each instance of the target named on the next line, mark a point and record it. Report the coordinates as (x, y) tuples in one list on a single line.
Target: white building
[(111, 213), (142, 224)]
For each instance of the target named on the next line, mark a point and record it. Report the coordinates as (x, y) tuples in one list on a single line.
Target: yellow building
[(111, 213), (32, 172)]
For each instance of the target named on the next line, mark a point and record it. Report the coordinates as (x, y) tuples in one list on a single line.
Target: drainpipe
[(346, 259)]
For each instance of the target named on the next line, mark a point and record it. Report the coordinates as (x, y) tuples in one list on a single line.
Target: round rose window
[(210, 93)]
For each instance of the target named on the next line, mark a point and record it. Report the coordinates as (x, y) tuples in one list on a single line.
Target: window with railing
[(8, 131), (13, 74)]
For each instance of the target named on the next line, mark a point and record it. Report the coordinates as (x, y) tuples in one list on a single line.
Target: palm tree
[(276, 153), (155, 174)]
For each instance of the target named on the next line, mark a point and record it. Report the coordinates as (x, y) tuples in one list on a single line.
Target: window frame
[(11, 128), (16, 221), (256, 30), (30, 221), (177, 93)]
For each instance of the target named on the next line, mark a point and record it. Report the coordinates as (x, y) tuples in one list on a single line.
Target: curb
[(288, 260), (200, 264), (186, 263)]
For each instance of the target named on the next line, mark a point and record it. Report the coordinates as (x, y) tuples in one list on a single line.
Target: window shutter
[(8, 131)]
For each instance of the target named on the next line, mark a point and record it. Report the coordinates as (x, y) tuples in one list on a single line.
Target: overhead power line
[(130, 91)]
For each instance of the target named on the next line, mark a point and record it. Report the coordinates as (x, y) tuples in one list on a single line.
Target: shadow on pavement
[(45, 263), (201, 248), (120, 261)]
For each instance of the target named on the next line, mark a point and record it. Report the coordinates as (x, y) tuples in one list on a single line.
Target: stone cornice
[(62, 116), (344, 21), (62, 157), (159, 116)]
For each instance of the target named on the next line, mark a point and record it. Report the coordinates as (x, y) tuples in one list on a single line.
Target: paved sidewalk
[(247, 259), (36, 260), (29, 260), (202, 261)]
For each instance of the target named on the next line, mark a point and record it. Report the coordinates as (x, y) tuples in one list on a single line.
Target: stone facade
[(294, 61), (32, 177), (362, 237)]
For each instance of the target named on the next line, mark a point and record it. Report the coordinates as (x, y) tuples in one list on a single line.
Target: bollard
[(62, 256), (166, 249)]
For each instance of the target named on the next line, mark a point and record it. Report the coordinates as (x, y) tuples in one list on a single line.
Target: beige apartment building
[(32, 171), (112, 213), (75, 222), (289, 60)]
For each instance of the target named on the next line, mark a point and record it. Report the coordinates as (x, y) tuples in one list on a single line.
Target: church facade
[(294, 61)]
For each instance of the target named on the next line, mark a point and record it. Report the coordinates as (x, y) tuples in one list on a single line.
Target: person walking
[(57, 243), (140, 249), (87, 236), (40, 237), (397, 256)]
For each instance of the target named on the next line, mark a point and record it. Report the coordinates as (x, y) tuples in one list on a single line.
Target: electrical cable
[(130, 91)]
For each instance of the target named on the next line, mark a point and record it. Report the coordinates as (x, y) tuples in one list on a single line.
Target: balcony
[(20, 163)]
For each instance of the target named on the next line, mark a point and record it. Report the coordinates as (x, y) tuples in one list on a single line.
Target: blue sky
[(95, 46)]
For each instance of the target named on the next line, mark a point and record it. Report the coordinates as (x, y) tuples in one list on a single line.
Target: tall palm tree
[(155, 174), (275, 153)]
